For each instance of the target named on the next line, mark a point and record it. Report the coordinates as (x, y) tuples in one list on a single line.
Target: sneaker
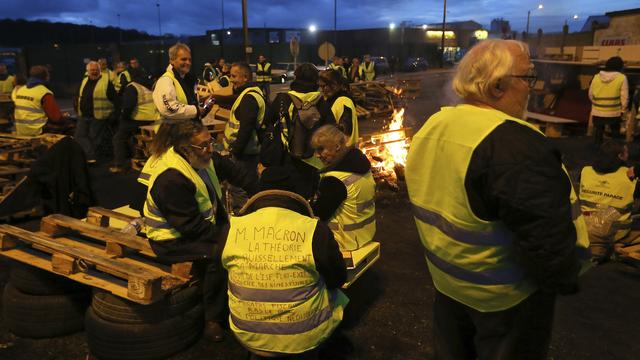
[(213, 331)]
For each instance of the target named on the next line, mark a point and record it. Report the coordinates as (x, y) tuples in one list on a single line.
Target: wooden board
[(359, 261)]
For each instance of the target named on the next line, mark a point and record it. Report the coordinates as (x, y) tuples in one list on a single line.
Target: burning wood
[(387, 151)]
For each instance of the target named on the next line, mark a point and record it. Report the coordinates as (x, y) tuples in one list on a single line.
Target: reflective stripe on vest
[(612, 189), (29, 115), (117, 83), (145, 109), (233, 125), (354, 222), (369, 72), (261, 75), (102, 107), (470, 260), (158, 229), (606, 96), (339, 68), (337, 109), (6, 85), (180, 95), (269, 259)]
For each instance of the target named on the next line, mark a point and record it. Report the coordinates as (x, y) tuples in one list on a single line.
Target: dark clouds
[(196, 16)]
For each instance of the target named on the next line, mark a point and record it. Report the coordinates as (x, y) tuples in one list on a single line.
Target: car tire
[(118, 310), (43, 316), (34, 281), (108, 340)]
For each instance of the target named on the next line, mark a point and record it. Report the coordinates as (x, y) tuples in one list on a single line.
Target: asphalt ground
[(390, 312)]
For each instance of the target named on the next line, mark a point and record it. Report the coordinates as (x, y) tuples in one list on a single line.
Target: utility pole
[(119, 31), (245, 28), (444, 21), (335, 24), (222, 32), (159, 24)]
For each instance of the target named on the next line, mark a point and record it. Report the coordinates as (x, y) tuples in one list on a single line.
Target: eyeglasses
[(530, 78), (208, 144)]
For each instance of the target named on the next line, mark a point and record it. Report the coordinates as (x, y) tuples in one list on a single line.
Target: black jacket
[(326, 254), (515, 175), (247, 114), (344, 123), (332, 192)]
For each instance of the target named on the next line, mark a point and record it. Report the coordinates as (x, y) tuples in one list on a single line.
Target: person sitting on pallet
[(346, 194), (607, 192), (184, 211), (285, 272)]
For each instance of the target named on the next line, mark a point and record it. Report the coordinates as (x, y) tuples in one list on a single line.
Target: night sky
[(194, 17)]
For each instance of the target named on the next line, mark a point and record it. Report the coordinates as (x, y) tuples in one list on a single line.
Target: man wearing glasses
[(496, 213)]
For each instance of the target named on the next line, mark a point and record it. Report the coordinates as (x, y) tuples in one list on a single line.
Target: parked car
[(282, 72), (382, 64), (415, 64)]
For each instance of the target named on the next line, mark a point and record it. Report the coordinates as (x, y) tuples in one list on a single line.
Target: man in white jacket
[(609, 95), (174, 94)]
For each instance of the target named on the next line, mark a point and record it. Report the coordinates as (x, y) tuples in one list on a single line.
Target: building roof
[(624, 12), (601, 20), (459, 25)]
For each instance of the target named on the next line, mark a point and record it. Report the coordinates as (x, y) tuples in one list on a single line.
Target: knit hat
[(276, 178), (614, 64)]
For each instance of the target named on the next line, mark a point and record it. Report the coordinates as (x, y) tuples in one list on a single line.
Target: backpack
[(306, 119)]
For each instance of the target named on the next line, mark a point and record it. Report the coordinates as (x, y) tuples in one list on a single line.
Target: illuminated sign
[(437, 34), (481, 34)]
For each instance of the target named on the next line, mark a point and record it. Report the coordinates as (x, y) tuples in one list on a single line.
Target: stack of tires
[(120, 329), (40, 304)]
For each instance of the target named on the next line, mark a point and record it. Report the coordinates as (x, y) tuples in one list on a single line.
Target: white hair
[(484, 66), (173, 51), (92, 63), (327, 136)]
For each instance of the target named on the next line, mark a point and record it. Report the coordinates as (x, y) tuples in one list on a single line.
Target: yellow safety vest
[(278, 301), (6, 85), (158, 229), (339, 69), (213, 71), (470, 260), (338, 108), (262, 69), (284, 134), (180, 95), (369, 71), (102, 107), (606, 96), (29, 115), (354, 223), (14, 92), (359, 72), (145, 110), (614, 189), (117, 84), (233, 125)]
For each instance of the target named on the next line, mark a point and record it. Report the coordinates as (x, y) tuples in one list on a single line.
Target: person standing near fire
[(609, 94)]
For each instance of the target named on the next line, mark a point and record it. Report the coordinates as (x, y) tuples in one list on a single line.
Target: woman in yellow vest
[(285, 272), (346, 194), (608, 185), (609, 94), (183, 210), (336, 107)]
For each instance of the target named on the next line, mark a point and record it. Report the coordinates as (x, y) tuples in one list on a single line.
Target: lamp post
[(565, 32), (444, 21), (159, 24), (335, 24), (540, 7), (245, 30), (222, 28)]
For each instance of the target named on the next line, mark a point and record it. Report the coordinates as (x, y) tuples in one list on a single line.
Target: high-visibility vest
[(214, 73), (278, 301), (224, 77), (606, 96), (613, 189), (338, 109), (29, 115), (102, 106), (261, 73), (354, 222), (158, 229), (369, 71), (180, 95), (14, 92), (118, 81), (470, 259), (359, 72), (304, 97), (6, 85), (145, 109), (233, 125), (339, 69)]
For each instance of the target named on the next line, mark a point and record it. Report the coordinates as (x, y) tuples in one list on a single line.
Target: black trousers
[(520, 332), (599, 124)]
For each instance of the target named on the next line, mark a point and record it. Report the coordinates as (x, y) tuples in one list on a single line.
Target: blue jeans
[(89, 132)]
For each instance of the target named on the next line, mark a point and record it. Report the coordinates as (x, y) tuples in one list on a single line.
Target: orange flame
[(397, 91)]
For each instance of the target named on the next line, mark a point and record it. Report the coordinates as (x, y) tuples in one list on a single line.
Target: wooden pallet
[(96, 255), (631, 254)]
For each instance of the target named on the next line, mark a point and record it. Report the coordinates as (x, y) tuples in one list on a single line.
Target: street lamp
[(574, 17), (392, 26), (424, 27), (312, 28), (540, 7)]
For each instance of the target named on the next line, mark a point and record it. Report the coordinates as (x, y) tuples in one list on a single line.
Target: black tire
[(34, 281), (43, 316), (108, 340), (118, 310)]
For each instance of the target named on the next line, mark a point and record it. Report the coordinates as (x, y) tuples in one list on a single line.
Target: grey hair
[(92, 63), (173, 51), (328, 135), (484, 66)]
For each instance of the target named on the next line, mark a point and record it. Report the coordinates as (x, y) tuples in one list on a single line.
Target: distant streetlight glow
[(424, 27), (312, 28), (575, 17), (228, 32), (540, 7), (392, 26)]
